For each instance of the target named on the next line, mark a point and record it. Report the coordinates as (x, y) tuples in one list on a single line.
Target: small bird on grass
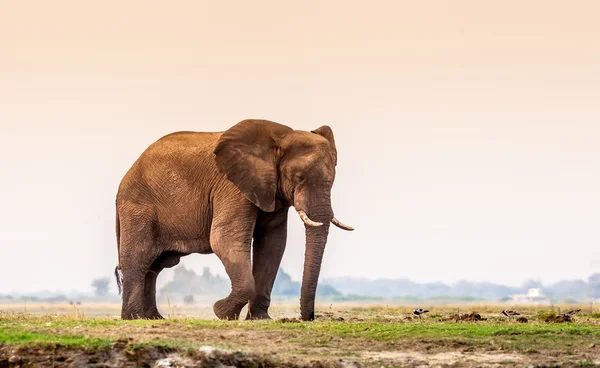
[(510, 313), (419, 312)]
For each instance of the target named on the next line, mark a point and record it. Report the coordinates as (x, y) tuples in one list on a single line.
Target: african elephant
[(205, 192)]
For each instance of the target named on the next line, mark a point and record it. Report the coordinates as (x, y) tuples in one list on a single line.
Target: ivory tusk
[(307, 220), (337, 223)]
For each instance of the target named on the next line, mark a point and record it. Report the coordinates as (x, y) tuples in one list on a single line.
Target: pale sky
[(468, 131)]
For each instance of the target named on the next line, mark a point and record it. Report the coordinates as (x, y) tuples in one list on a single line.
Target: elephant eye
[(298, 177)]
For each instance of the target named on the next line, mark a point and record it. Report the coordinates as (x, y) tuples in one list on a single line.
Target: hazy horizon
[(467, 132)]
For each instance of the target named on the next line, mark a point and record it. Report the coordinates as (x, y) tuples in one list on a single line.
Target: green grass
[(17, 337), (24, 329), (586, 363)]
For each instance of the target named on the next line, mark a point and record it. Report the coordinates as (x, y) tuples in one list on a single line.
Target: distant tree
[(188, 299), (101, 286), (327, 290), (575, 289), (594, 285), (532, 284), (284, 285), (186, 282)]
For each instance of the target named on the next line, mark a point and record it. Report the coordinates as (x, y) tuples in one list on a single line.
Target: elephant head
[(275, 166)]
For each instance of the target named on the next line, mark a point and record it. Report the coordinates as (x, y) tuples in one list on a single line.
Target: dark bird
[(573, 312), (510, 313), (420, 311)]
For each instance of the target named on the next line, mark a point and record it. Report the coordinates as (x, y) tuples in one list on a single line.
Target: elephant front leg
[(270, 237), (231, 238), (237, 264)]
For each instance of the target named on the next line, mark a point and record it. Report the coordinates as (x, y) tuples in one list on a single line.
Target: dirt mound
[(468, 317), (561, 318), (471, 317), (328, 316), (322, 317), (289, 320)]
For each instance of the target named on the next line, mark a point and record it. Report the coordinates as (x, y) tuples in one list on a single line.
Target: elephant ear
[(248, 154), (326, 132)]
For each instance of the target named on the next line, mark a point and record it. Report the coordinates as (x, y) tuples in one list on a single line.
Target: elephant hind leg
[(133, 293), (138, 283), (150, 307), (137, 252), (167, 259), (139, 288)]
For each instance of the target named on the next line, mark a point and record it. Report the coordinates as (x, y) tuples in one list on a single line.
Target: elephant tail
[(119, 277), (118, 270)]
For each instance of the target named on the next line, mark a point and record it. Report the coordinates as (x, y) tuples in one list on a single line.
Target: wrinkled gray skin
[(194, 192)]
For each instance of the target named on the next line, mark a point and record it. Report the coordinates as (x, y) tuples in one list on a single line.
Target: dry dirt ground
[(342, 336)]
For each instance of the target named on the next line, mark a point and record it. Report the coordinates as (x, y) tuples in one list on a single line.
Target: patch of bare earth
[(207, 356), (238, 347), (156, 357), (474, 359)]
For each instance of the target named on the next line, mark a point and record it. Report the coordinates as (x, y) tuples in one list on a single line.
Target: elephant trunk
[(316, 238)]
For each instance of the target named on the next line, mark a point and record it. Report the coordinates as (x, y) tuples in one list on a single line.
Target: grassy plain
[(342, 335)]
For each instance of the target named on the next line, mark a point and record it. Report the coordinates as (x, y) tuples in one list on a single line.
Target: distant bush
[(354, 297), (408, 299), (327, 290), (29, 298), (187, 282), (456, 298), (101, 286), (570, 301)]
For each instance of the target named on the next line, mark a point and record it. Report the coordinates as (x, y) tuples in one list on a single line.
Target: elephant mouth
[(304, 217)]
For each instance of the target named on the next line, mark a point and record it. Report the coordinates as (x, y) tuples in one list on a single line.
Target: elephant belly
[(201, 246), (184, 229), (186, 235)]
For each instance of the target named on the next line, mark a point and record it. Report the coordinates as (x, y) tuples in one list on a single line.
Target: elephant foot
[(257, 315), (227, 310), (254, 317), (131, 316), (153, 315), (127, 315), (308, 316)]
